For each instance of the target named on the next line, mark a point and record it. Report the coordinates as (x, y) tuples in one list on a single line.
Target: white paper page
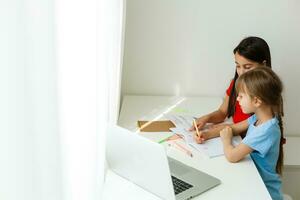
[(187, 136), (212, 147)]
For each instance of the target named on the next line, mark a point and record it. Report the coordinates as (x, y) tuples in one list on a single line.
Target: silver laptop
[(145, 163)]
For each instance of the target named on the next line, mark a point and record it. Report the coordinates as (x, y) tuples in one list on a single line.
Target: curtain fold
[(89, 78), (111, 22), (60, 83), (30, 151)]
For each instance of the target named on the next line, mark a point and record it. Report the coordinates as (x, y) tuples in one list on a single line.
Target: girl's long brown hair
[(252, 48), (264, 84)]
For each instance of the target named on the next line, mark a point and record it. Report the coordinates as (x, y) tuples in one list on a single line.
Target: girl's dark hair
[(264, 84), (252, 48)]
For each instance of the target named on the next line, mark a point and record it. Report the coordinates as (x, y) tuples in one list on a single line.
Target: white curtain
[(60, 81), (111, 28), (89, 43), (30, 165)]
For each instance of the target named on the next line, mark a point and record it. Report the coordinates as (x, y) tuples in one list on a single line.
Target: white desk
[(239, 180)]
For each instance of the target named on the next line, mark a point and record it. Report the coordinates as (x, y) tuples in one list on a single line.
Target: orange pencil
[(181, 148), (197, 131)]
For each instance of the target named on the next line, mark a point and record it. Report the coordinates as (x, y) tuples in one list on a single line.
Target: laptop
[(146, 164)]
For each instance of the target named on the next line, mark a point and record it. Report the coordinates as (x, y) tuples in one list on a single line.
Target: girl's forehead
[(239, 59)]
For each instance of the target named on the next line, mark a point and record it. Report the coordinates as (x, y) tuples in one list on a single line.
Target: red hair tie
[(283, 141)]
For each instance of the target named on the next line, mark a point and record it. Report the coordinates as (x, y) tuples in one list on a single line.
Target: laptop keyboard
[(179, 185)]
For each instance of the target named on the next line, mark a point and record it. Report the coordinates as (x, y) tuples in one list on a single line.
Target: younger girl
[(250, 53), (259, 92)]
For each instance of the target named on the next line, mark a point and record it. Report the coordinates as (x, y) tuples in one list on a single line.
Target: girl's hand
[(200, 123), (226, 133), (199, 139)]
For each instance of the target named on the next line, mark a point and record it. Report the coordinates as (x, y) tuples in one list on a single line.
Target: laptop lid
[(140, 161)]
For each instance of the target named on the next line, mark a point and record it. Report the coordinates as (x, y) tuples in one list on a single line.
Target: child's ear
[(264, 63), (257, 101)]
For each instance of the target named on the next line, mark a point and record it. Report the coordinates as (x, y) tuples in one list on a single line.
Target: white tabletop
[(239, 180)]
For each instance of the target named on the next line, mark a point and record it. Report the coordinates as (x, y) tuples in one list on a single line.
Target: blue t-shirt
[(264, 139)]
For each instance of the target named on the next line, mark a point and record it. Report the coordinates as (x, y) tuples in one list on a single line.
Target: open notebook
[(212, 147)]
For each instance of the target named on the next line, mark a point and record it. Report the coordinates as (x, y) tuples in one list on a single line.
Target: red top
[(238, 115)]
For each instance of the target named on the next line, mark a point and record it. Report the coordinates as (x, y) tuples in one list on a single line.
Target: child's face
[(245, 102), (243, 64)]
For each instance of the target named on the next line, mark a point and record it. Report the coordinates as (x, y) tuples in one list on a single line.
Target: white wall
[(177, 47)]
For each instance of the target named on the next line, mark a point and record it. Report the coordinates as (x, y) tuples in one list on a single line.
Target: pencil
[(163, 140), (182, 148), (197, 131)]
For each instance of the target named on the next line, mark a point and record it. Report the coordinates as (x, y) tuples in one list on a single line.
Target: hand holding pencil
[(200, 123), (198, 136)]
